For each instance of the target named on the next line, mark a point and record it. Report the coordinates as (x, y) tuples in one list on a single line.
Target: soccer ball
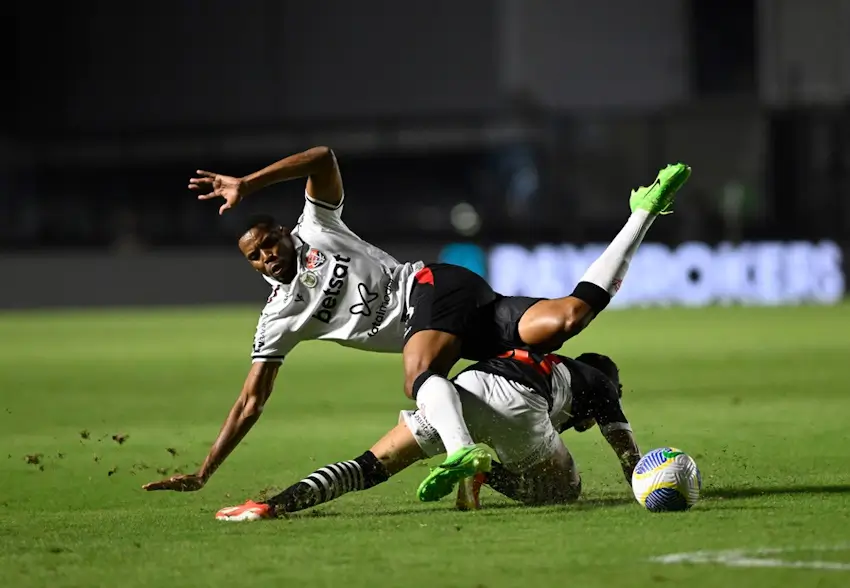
[(666, 479)]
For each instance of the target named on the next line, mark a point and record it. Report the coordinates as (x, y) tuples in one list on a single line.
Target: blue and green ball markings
[(666, 479)]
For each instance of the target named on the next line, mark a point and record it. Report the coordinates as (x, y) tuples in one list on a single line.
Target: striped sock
[(331, 482)]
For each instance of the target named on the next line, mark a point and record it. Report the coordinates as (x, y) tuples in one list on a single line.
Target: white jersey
[(513, 419), (345, 290), (562, 394)]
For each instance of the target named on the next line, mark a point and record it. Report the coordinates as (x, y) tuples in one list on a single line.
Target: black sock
[(331, 482)]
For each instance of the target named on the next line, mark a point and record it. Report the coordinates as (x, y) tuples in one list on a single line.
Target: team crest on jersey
[(315, 259), (309, 279)]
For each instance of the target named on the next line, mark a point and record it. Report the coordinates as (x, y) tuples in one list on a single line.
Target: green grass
[(760, 397)]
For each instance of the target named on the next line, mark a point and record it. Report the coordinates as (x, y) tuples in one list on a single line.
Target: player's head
[(604, 364), (608, 368), (268, 247)]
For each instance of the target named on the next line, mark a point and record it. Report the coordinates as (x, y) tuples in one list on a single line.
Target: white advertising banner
[(691, 274)]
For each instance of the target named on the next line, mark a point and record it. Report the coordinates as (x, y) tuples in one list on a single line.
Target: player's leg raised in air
[(456, 314), (550, 323)]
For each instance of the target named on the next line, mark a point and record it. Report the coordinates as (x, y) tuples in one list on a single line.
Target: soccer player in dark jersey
[(329, 284), (517, 404)]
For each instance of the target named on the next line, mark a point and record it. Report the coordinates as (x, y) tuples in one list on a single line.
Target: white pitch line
[(754, 558)]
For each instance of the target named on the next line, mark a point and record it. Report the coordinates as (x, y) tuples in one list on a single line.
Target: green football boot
[(657, 198), (463, 463)]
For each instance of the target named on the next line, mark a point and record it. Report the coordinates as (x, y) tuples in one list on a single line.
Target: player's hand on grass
[(210, 185), (178, 483)]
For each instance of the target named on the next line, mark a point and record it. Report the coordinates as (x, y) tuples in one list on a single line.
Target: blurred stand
[(484, 123)]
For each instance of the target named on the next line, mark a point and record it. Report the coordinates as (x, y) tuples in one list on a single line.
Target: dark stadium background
[(504, 135), (536, 117)]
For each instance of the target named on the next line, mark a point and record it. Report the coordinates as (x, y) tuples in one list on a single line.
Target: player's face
[(270, 251)]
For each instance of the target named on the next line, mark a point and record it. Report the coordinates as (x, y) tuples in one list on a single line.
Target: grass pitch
[(92, 404)]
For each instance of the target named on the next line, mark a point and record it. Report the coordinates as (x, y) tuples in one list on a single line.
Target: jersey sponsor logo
[(381, 313), (363, 307), (315, 259), (339, 275)]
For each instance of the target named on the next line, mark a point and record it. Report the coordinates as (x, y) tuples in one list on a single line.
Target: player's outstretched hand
[(178, 483), (210, 185)]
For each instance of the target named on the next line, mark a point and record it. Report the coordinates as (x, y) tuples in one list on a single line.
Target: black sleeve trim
[(595, 296), (322, 204)]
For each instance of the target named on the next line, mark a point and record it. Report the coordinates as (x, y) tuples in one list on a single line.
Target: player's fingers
[(206, 174), (224, 207), (200, 182), (162, 485), (177, 483), (207, 196)]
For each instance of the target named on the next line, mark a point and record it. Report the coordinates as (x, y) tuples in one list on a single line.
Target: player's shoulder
[(576, 369), (590, 382), (320, 233), (322, 215), (601, 386), (605, 399)]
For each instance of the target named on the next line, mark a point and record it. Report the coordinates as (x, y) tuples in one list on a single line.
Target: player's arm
[(607, 411), (318, 165), (623, 442), (245, 412)]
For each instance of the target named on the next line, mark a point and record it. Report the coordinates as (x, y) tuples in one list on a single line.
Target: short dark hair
[(604, 364), (265, 221)]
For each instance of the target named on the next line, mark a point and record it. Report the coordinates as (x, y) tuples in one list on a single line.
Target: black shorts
[(455, 300)]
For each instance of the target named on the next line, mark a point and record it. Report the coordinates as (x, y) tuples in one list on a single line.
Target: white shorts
[(503, 414)]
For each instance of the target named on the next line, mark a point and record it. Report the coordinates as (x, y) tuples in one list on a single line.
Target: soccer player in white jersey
[(329, 284), (517, 404)]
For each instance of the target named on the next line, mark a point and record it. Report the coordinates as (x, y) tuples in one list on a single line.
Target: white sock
[(610, 268), (440, 404)]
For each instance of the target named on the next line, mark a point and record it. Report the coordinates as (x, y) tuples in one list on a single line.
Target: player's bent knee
[(574, 315), (549, 323)]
